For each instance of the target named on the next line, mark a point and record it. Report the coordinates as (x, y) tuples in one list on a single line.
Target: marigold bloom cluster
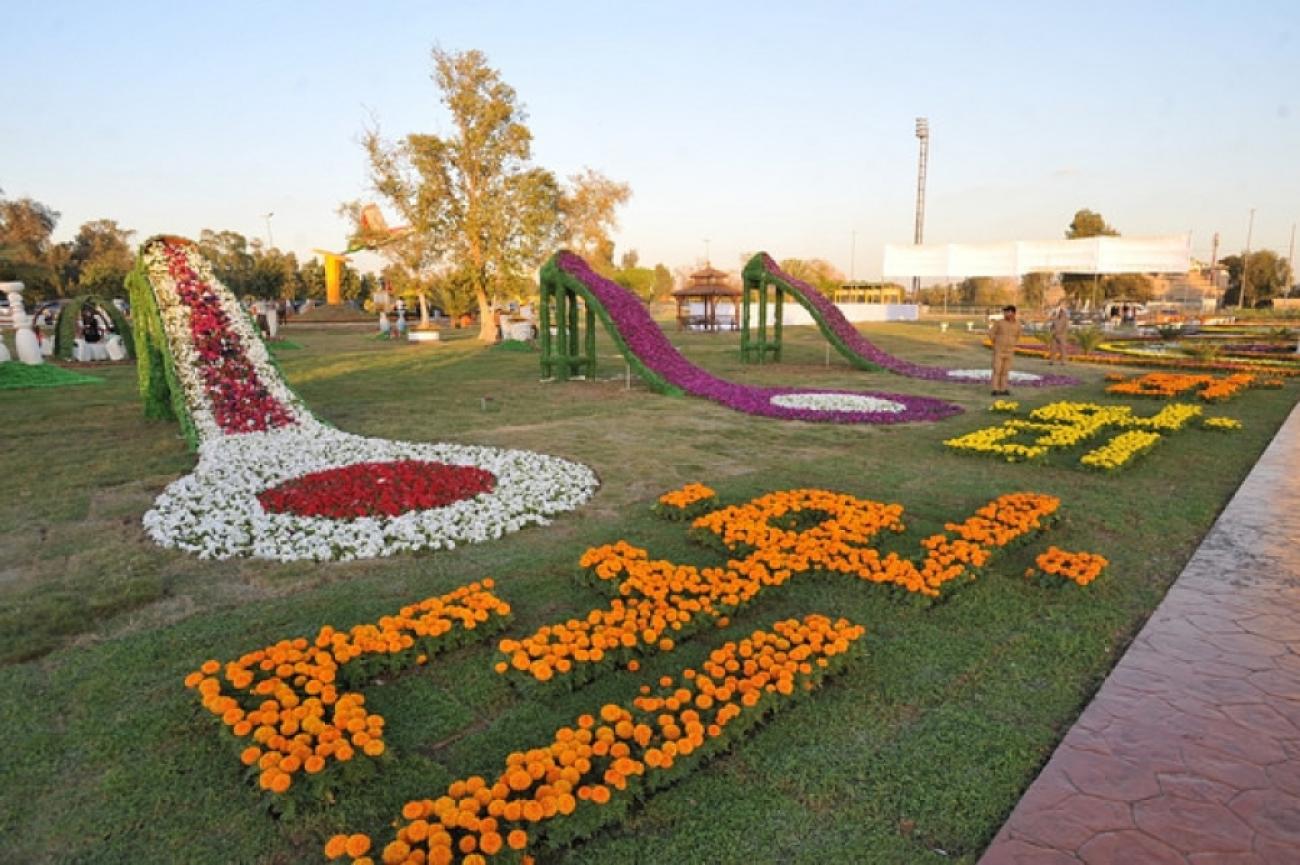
[(618, 754), (1005, 405), (1062, 425), (1221, 423), (660, 601), (1121, 450), (1080, 567), (288, 702), (1167, 385), (685, 503)]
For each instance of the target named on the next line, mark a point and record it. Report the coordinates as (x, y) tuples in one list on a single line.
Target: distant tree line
[(98, 259)]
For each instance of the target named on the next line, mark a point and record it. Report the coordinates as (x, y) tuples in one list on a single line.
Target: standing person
[(1060, 336), (1005, 334)]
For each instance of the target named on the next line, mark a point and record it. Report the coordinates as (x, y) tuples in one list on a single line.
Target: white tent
[(1171, 253)]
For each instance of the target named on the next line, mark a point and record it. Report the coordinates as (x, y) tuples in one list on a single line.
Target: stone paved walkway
[(1190, 752)]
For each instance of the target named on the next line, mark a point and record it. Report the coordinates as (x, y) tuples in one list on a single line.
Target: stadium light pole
[(1245, 262), (923, 136)]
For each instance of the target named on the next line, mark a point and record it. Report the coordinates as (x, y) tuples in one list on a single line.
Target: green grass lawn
[(915, 755)]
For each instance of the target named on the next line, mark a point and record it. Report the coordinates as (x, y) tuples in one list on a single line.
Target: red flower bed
[(377, 489), (240, 401)]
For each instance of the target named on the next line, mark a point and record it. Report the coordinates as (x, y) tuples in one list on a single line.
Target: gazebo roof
[(708, 274), (706, 291)]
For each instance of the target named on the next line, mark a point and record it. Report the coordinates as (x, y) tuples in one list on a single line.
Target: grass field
[(913, 756)]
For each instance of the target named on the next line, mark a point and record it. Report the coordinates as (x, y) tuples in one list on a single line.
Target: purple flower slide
[(845, 337), (641, 338)]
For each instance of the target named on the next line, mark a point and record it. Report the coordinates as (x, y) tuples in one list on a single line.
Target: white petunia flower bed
[(836, 402), (987, 375), (214, 511)]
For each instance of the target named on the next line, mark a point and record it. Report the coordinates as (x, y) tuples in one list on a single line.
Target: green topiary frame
[(65, 329), (160, 389), (561, 359)]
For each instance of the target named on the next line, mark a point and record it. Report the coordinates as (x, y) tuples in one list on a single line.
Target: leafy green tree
[(1268, 275), (985, 291), (1033, 289), (1087, 223), (1128, 286), (471, 197), (231, 259), (817, 272), (1081, 287), (588, 208), (99, 258), (27, 252)]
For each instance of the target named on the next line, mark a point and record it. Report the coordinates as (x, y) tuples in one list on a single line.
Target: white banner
[(1170, 253)]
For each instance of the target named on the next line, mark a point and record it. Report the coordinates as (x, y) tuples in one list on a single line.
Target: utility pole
[(1245, 262), (269, 242), (923, 136), (1290, 258)]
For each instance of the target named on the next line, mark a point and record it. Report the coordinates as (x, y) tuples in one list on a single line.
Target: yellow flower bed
[(1061, 425), (1223, 424)]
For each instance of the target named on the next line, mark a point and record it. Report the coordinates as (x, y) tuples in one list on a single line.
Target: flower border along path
[(202, 362), (654, 357)]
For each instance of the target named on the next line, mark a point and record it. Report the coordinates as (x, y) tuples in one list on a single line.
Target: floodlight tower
[(923, 135)]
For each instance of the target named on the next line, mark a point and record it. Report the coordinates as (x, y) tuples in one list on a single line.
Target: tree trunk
[(487, 327)]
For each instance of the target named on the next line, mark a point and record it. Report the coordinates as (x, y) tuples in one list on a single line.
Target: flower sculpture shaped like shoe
[(274, 482)]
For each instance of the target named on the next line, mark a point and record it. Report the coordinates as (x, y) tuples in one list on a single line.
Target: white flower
[(836, 402), (987, 375), (214, 512)]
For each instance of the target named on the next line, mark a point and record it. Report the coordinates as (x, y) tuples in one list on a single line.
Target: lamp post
[(1245, 262), (269, 242), (923, 136)]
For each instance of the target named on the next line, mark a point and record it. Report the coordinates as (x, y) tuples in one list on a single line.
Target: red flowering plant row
[(376, 489), (240, 401)]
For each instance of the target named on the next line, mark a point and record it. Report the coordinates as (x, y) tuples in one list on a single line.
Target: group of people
[(1005, 335)]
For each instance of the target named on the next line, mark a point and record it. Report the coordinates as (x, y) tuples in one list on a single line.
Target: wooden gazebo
[(698, 303)]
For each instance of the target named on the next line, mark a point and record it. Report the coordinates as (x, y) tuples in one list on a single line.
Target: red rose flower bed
[(376, 489)]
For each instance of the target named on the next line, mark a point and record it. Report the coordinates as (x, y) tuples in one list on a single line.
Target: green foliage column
[(754, 343)]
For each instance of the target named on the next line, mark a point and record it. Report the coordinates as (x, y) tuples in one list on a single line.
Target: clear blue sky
[(759, 125)]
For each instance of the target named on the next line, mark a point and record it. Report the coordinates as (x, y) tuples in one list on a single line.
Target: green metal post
[(744, 321), (544, 326), (780, 316), (571, 350), (591, 341), (561, 339)]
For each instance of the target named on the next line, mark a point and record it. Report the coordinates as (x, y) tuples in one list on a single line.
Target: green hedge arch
[(65, 329)]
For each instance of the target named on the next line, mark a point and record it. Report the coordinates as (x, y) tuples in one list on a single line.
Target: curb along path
[(1190, 752)]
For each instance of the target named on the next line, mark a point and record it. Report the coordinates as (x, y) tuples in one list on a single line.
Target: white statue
[(25, 341)]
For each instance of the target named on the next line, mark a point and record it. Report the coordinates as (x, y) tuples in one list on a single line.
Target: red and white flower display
[(274, 482)]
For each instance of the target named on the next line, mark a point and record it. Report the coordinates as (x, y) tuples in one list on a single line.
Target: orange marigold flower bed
[(620, 752), (685, 503), (292, 701), (659, 601), (1166, 385), (1080, 567)]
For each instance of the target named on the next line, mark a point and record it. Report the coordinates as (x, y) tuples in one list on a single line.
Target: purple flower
[(835, 321), (647, 341)]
